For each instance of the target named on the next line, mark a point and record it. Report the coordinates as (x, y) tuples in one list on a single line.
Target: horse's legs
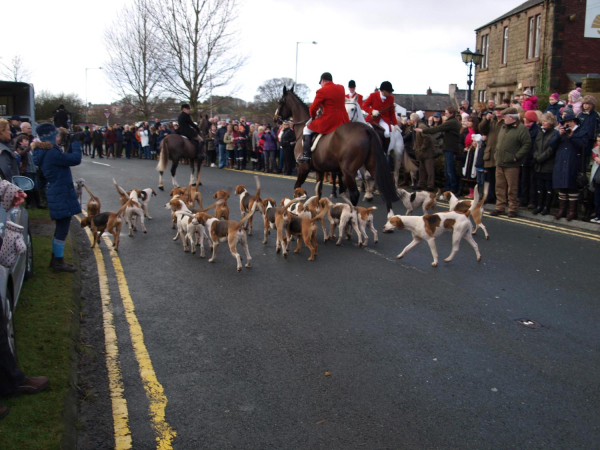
[(161, 186), (173, 172), (320, 177), (351, 185), (303, 172), (198, 172)]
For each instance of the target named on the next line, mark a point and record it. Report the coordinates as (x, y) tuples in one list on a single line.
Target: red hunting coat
[(360, 98), (331, 98), (386, 109)]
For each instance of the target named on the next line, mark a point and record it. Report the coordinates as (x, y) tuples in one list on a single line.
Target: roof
[(528, 4), (423, 102)]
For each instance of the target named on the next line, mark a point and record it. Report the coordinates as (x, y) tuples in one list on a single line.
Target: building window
[(482, 96), (538, 35), (533, 36), (505, 46), (485, 49)]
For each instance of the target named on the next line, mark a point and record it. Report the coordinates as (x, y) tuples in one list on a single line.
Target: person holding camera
[(569, 164)]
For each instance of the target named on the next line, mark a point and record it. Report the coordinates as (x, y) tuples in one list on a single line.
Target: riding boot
[(541, 204), (547, 204), (59, 265), (573, 204), (307, 144), (563, 204)]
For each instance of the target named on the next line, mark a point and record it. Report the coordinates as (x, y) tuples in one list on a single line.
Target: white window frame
[(485, 49), (530, 37), (505, 46), (538, 35)]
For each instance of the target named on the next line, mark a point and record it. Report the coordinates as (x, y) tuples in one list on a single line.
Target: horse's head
[(204, 126), (352, 108), (284, 111)]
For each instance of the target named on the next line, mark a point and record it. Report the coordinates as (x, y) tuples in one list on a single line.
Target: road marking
[(115, 379), (102, 164), (154, 390), (548, 227)]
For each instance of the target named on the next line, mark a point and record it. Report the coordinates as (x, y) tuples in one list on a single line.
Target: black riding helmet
[(352, 84), (386, 86)]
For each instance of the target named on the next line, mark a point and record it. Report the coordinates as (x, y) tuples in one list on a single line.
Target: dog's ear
[(397, 222), (413, 196), (239, 189), (84, 222), (215, 196)]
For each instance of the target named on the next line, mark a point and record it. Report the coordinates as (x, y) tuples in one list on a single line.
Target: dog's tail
[(240, 224), (120, 190), (217, 203), (477, 202), (125, 205), (90, 192), (320, 215)]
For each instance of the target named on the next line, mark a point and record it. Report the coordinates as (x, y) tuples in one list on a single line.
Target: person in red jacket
[(353, 93), (331, 97), (381, 109)]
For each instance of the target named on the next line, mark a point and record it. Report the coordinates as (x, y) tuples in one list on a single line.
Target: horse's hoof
[(161, 188)]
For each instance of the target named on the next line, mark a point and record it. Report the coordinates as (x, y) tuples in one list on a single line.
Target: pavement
[(356, 349)]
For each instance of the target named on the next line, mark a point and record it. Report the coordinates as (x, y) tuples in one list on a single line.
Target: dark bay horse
[(347, 149), (175, 147)]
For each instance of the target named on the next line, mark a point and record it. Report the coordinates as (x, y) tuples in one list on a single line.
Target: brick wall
[(571, 51), (520, 72)]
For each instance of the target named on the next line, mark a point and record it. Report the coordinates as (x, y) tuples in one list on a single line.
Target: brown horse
[(347, 149), (175, 147)]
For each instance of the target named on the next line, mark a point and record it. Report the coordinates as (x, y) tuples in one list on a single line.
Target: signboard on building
[(592, 19)]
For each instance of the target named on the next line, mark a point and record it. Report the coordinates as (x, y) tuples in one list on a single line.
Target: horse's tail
[(163, 162), (383, 175)]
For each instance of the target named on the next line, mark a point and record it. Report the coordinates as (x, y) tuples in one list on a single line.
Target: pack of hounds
[(295, 218)]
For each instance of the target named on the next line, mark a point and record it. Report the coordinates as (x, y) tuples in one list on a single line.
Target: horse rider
[(382, 112), (189, 129), (353, 93), (331, 97)]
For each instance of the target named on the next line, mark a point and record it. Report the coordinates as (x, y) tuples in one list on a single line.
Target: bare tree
[(269, 93), (133, 51), (15, 70), (198, 37)]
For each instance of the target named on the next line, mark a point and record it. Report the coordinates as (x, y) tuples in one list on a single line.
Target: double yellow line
[(164, 434)]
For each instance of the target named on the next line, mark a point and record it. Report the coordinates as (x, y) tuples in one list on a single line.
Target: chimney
[(429, 91), (452, 90)]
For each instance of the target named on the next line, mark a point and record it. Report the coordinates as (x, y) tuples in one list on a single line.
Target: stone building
[(431, 102), (544, 45)]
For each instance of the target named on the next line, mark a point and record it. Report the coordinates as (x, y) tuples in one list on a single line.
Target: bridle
[(355, 112)]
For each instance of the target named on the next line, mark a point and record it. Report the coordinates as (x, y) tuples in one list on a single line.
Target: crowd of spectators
[(528, 156)]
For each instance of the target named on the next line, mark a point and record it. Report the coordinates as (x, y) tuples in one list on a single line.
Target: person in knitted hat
[(527, 181), (554, 105), (575, 101), (530, 101), (62, 199)]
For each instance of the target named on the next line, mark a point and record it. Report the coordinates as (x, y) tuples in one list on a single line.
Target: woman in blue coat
[(62, 199), (570, 147)]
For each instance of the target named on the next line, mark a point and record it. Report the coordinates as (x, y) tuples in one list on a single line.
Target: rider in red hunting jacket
[(331, 98), (353, 93), (381, 109)]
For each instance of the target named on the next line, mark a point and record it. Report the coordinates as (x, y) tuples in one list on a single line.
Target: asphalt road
[(418, 357)]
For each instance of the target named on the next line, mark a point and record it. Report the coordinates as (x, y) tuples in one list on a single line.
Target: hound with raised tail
[(365, 219), (143, 195), (272, 214), (222, 209), (106, 221), (414, 200), (247, 202), (227, 230), (427, 228), (93, 204), (462, 206)]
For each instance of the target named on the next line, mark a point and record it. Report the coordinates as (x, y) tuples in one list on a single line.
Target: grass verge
[(43, 329)]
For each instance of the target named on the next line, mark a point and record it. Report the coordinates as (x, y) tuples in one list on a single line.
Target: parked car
[(11, 280)]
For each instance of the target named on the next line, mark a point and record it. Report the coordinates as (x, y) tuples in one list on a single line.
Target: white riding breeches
[(386, 128), (307, 131)]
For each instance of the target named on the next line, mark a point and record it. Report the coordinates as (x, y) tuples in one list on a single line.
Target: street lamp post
[(471, 58), (305, 42), (86, 90)]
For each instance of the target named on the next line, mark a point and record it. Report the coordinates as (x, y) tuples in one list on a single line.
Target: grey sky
[(415, 45)]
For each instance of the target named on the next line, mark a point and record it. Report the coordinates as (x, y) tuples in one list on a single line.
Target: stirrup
[(303, 159)]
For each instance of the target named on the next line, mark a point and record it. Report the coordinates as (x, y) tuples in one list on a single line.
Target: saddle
[(315, 141)]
